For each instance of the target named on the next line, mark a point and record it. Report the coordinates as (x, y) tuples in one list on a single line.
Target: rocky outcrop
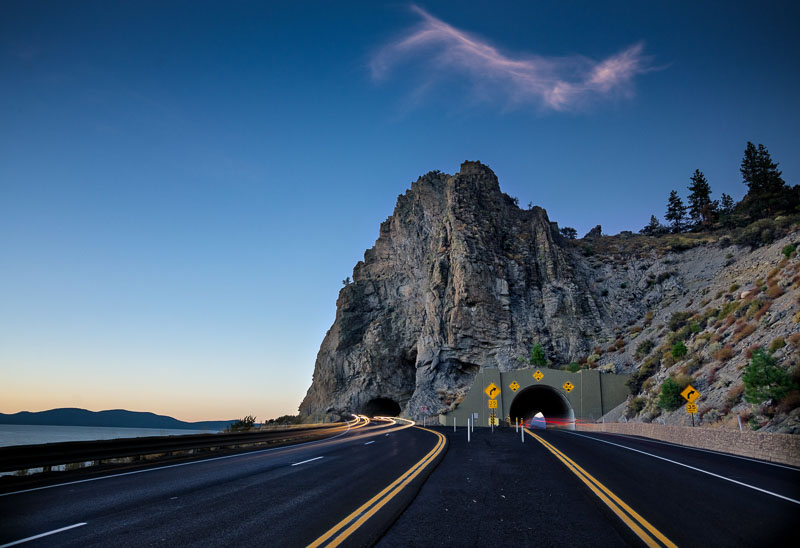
[(462, 279), (459, 279)]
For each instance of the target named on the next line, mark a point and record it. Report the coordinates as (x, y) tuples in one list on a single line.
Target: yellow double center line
[(628, 515), (339, 532)]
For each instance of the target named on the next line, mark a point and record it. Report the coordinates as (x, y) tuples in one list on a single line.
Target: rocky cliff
[(461, 278)]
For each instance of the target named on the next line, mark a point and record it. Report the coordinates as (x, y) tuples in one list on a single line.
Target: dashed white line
[(691, 468), (373, 441), (47, 534), (305, 461), (249, 453)]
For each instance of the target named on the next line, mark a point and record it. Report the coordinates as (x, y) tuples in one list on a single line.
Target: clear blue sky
[(184, 185)]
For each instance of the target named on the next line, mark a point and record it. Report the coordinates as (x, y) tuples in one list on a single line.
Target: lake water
[(18, 434)]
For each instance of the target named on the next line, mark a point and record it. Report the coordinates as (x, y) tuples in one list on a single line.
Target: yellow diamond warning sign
[(514, 386), (568, 386), (538, 375), (492, 390), (492, 404), (690, 394)]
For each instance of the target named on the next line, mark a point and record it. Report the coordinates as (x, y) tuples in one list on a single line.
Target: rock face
[(459, 279), (462, 279)]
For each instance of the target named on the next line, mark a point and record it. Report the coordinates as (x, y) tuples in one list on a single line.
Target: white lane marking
[(305, 461), (690, 467), (705, 451), (285, 448), (373, 441), (47, 534)]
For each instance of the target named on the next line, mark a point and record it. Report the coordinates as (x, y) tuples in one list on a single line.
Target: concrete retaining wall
[(782, 448)]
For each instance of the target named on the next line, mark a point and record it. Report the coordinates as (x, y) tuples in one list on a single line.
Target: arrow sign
[(492, 390), (690, 394)]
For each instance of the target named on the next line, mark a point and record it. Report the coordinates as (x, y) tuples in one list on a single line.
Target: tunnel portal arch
[(381, 407), (546, 400)]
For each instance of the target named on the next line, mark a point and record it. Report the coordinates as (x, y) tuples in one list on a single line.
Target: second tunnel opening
[(545, 400)]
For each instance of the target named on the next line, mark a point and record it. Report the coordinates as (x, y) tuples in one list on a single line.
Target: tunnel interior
[(381, 407), (545, 400)]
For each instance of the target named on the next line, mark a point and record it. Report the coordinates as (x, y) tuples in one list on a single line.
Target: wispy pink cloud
[(554, 83)]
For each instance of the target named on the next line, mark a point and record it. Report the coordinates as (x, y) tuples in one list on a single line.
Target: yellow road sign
[(691, 408), (690, 394), (568, 386), (494, 421), (492, 390), (514, 386), (492, 404), (538, 375)]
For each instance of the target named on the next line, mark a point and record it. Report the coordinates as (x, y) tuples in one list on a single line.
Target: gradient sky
[(184, 185)]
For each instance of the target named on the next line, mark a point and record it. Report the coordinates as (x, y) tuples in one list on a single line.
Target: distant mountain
[(116, 418)]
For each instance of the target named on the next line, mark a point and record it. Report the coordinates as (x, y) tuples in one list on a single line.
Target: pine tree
[(767, 192), (726, 204), (569, 233), (676, 211), (654, 227), (702, 209)]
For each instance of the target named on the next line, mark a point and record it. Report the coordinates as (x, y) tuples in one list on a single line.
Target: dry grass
[(774, 291), (762, 310), (742, 332), (734, 395), (724, 354), (794, 339)]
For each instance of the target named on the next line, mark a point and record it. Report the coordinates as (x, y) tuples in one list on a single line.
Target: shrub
[(763, 309), (670, 397), (733, 288), (679, 350), (727, 309), (734, 395), (774, 291), (764, 379), (537, 355), (794, 338), (648, 367), (724, 354), (788, 250), (644, 348), (789, 402), (574, 367), (743, 331), (637, 404), (776, 345), (678, 320), (245, 423)]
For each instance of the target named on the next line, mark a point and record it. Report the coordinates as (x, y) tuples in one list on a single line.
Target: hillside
[(118, 418), (461, 278)]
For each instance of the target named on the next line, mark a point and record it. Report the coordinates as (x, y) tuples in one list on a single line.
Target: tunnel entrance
[(381, 407), (545, 400)]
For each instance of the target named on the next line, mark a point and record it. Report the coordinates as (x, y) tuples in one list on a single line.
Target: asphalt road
[(286, 496), (498, 491)]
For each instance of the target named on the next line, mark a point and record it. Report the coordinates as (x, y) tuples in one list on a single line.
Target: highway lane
[(695, 498), (498, 491), (289, 495)]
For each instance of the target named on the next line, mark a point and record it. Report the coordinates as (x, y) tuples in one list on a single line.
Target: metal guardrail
[(25, 457)]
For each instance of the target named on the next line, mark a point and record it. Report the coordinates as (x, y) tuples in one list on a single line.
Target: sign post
[(690, 394)]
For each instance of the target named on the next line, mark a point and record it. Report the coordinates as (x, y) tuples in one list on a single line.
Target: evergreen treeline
[(767, 195)]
